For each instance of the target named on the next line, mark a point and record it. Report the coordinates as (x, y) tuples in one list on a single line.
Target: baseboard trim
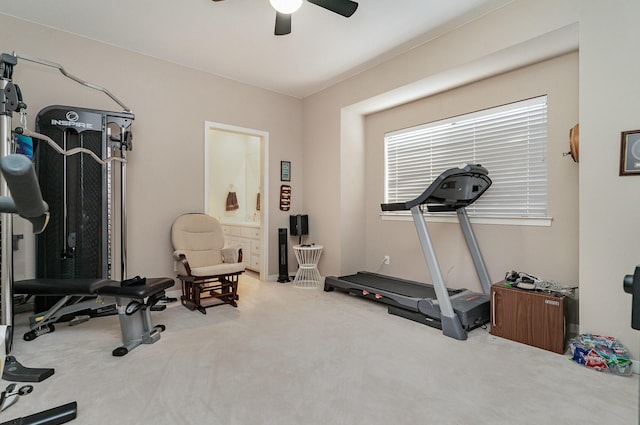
[(274, 277)]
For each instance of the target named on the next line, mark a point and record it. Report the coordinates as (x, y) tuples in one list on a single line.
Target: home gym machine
[(83, 197), (134, 298), (80, 159), (453, 311), (91, 228)]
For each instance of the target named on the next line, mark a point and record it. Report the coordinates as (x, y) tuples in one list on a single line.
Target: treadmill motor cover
[(473, 310), (471, 307)]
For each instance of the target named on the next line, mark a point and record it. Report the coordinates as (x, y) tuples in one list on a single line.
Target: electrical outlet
[(386, 259)]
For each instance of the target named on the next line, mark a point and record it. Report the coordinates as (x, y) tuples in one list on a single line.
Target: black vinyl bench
[(133, 303)]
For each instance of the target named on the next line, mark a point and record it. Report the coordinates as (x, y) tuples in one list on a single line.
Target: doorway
[(236, 188)]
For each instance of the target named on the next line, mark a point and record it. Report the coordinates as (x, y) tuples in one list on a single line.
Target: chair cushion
[(224, 268)]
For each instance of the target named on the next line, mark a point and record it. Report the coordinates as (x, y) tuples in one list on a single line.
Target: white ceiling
[(234, 38)]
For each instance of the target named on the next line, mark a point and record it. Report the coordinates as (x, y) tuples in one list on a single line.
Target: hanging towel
[(25, 145), (232, 202), (258, 202)]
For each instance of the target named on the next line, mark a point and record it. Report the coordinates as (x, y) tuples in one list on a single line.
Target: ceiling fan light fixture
[(286, 6)]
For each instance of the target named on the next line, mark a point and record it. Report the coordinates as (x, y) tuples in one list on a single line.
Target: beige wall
[(609, 204), (549, 252), (171, 104), (520, 33)]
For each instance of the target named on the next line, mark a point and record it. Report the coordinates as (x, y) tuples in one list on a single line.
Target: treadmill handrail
[(442, 204)]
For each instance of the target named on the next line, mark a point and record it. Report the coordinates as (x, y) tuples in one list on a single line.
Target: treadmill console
[(459, 189), (453, 189)]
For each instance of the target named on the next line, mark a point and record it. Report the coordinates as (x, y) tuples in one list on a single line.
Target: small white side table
[(308, 257)]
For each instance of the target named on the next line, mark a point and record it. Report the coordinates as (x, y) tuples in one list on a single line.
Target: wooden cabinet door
[(531, 318), (547, 330), (505, 319)]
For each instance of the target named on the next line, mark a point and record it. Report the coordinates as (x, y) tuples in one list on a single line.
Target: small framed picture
[(285, 171), (630, 153)]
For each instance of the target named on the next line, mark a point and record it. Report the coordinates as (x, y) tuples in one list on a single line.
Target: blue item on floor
[(602, 353)]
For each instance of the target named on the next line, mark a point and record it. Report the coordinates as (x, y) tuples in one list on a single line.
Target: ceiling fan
[(284, 9)]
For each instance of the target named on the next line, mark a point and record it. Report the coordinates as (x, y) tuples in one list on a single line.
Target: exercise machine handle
[(23, 184), (71, 77), (631, 285), (57, 415), (394, 206)]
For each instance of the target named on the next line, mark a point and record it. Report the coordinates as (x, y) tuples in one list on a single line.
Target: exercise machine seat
[(59, 287), (207, 268), (151, 287)]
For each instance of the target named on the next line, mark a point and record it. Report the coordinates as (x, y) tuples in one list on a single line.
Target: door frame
[(264, 182)]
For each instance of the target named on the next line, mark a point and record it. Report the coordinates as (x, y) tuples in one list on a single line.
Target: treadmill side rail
[(451, 325), (474, 249)]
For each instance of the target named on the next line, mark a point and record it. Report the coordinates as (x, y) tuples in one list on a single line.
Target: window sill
[(502, 221)]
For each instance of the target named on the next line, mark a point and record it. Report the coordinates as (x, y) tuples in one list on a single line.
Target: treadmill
[(453, 311)]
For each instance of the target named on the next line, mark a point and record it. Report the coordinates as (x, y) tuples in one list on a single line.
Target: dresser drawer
[(254, 264), (255, 247)]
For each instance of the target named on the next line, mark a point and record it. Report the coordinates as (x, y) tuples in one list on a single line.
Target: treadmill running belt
[(398, 286)]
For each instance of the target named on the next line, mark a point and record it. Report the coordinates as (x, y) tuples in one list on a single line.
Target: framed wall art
[(285, 171), (630, 153)]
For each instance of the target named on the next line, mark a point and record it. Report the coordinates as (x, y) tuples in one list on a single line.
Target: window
[(510, 141)]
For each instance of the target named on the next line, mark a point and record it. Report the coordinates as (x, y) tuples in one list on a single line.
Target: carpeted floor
[(302, 356)]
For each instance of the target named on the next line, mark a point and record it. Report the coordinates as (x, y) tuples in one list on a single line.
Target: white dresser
[(248, 237)]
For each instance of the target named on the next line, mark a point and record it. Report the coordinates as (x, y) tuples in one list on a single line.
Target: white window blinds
[(510, 141)]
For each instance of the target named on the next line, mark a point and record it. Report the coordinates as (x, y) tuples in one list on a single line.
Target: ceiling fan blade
[(345, 8), (283, 24)]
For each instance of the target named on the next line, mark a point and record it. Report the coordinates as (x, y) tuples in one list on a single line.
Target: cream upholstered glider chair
[(209, 271)]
